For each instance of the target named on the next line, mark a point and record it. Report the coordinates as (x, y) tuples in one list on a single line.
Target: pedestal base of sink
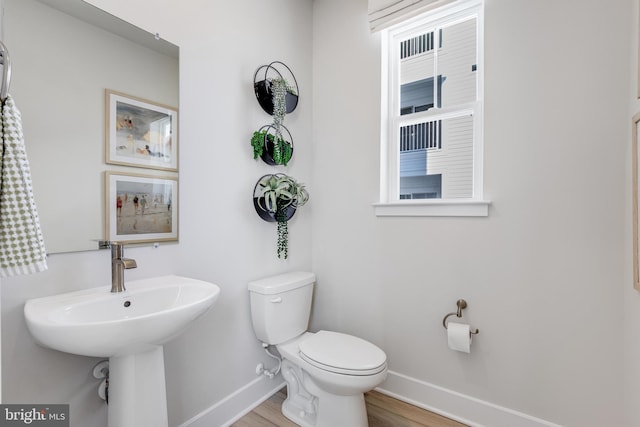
[(137, 390)]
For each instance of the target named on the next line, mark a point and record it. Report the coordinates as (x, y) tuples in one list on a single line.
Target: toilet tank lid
[(282, 282)]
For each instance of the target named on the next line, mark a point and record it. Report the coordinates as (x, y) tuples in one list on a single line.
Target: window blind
[(385, 13)]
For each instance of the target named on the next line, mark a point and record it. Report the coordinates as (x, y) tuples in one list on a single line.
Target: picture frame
[(141, 208), (636, 200), (140, 132)]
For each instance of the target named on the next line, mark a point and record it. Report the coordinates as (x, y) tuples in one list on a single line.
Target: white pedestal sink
[(129, 328)]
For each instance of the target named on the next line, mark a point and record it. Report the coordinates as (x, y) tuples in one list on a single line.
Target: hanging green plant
[(272, 149), (257, 142), (279, 195)]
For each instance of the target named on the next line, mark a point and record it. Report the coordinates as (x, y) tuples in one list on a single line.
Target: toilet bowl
[(326, 372), (326, 387)]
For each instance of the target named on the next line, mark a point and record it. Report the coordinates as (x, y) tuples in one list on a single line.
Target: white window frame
[(390, 204)]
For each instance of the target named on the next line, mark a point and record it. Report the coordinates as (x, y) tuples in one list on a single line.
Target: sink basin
[(97, 322)]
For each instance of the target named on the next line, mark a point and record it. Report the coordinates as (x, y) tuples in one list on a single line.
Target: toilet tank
[(281, 305)]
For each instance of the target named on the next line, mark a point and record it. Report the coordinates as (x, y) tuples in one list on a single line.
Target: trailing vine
[(279, 89), (283, 233), (282, 154)]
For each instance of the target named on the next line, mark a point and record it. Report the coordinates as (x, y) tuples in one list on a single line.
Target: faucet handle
[(128, 263)]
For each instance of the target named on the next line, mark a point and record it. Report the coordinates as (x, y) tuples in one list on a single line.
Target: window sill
[(462, 207)]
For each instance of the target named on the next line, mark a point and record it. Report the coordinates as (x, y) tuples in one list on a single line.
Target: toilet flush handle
[(276, 300)]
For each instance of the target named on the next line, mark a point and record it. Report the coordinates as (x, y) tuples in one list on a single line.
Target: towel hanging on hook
[(6, 71), (22, 248)]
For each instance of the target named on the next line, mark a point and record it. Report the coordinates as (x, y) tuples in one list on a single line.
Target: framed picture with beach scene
[(141, 208), (140, 133)]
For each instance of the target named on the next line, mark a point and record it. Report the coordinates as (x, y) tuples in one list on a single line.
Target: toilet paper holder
[(462, 304)]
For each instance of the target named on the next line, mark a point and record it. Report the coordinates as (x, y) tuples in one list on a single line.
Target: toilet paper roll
[(459, 337)]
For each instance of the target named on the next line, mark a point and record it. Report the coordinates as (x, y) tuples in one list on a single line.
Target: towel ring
[(462, 304)]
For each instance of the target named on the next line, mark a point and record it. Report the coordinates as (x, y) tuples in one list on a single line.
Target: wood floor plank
[(271, 409), (382, 411), (379, 417), (252, 419), (407, 411)]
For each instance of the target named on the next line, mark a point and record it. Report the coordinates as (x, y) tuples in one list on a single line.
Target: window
[(432, 118)]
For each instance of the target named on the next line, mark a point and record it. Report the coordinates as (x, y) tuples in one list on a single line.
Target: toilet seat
[(342, 354)]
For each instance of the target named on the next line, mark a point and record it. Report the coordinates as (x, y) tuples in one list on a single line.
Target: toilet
[(326, 372)]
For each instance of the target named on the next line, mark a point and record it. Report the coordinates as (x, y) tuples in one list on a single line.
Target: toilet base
[(310, 406), (298, 415), (342, 411)]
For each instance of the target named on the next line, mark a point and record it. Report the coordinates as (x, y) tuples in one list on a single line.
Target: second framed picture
[(140, 133), (141, 208)]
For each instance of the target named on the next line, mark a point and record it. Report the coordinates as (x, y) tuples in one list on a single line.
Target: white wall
[(544, 273), (221, 238)]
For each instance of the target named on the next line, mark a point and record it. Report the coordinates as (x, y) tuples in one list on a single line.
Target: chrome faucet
[(118, 265)]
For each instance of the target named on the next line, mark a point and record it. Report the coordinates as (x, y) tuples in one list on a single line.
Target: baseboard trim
[(237, 404), (457, 406), (448, 403)]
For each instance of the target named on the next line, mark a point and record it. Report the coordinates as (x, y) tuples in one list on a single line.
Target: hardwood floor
[(382, 410), (385, 411)]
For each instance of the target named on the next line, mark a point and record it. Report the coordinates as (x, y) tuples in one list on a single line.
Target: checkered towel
[(21, 244)]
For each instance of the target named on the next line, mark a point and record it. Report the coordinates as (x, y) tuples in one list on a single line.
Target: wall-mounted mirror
[(64, 54)]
